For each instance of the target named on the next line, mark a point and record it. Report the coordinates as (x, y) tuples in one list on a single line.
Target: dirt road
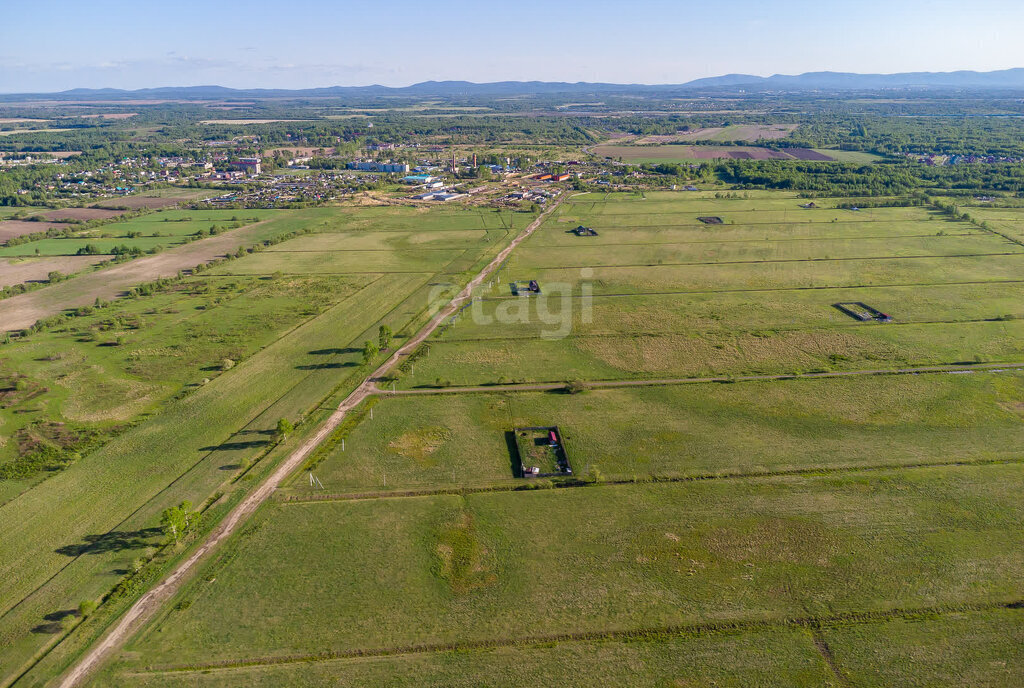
[(598, 384), (148, 604)]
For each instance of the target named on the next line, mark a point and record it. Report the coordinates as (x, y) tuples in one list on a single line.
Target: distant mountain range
[(1006, 79)]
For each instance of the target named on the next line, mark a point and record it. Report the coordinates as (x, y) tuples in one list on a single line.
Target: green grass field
[(975, 649), (982, 648), (1009, 221), (161, 229), (112, 366), (508, 567), (755, 660), (658, 294), (846, 531), (683, 431), (136, 372)]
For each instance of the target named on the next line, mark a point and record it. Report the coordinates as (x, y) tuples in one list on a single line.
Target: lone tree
[(384, 335), (179, 521), (284, 428), (86, 607), (370, 351)]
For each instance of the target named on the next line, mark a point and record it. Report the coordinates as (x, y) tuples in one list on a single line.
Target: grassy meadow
[(846, 531), (509, 567), (972, 648), (420, 442), (756, 660), (160, 229), (145, 381), (657, 293)]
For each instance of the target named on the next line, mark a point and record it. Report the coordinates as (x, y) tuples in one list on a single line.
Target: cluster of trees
[(830, 178), (898, 135), (372, 348), (880, 179), (122, 251)]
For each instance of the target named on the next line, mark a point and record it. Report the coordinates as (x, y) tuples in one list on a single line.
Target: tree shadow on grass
[(114, 541), (515, 461), (54, 621), (326, 366), (329, 352), (228, 446)]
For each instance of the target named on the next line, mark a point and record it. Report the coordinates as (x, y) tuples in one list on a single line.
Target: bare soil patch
[(737, 132), (297, 151), (758, 154), (81, 214), (698, 134), (808, 154), (136, 202), (726, 152), (36, 269), (16, 228), (706, 152), (760, 132), (56, 154)]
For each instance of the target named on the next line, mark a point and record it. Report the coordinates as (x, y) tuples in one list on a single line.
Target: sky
[(53, 45)]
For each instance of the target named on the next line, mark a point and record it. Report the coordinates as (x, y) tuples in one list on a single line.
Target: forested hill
[(1002, 79)]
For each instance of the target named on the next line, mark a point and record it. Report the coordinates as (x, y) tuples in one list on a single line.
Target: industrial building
[(251, 166), (418, 179)]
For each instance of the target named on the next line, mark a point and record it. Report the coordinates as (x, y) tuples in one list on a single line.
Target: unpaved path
[(148, 604), (20, 312), (597, 384)]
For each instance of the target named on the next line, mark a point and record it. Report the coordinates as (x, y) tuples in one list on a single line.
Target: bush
[(86, 607), (576, 386)]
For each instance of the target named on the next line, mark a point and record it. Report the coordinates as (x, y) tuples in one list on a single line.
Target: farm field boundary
[(550, 386), (808, 622), (296, 499)]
